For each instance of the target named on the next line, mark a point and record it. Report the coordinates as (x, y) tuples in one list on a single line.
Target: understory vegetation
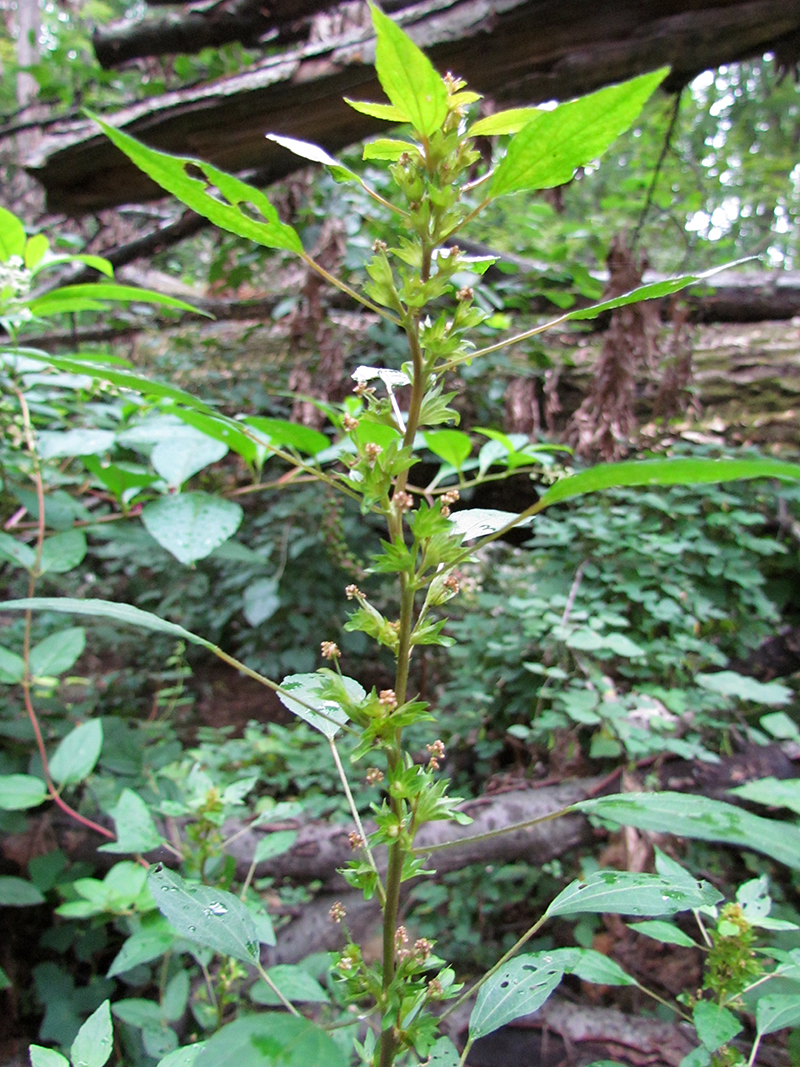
[(247, 589)]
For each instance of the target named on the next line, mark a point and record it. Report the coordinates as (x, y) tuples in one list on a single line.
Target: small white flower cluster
[(15, 276)]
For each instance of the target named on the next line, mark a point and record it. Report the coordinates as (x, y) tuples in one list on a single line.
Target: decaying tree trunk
[(515, 50)]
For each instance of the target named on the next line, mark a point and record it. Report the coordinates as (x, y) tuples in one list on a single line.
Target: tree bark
[(525, 51)]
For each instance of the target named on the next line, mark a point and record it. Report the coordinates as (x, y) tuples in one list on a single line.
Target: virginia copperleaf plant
[(423, 285)]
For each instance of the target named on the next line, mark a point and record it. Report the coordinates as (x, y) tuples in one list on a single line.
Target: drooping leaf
[(176, 174), (408, 77), (92, 1047), (79, 751), (776, 1011), (21, 791), (666, 472), (314, 153), (553, 144), (62, 552), (520, 987), (271, 1039), (18, 892), (97, 296), (281, 432), (211, 917), (629, 893), (106, 609), (700, 818), (136, 831), (192, 525), (58, 652), (307, 687), (377, 111)]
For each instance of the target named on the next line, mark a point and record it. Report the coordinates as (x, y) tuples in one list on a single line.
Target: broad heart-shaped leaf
[(715, 1025), (698, 817), (271, 1039), (627, 893), (186, 454), (208, 916), (18, 892), (58, 652), (12, 667), (549, 149), (307, 687), (665, 472), (21, 791), (520, 987), (76, 756), (92, 1046), (176, 174), (731, 683), (62, 552), (192, 525), (408, 77), (136, 831), (776, 1011)]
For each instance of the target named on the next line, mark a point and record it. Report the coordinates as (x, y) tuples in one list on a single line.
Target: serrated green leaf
[(520, 987), (58, 652), (307, 687), (176, 175), (76, 756), (208, 916), (192, 525), (666, 472), (702, 819), (92, 1047), (628, 893), (503, 122), (553, 144), (407, 76)]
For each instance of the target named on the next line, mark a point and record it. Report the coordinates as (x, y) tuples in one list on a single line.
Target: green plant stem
[(345, 288), (489, 834), (393, 879), (357, 819), (286, 1003), (500, 963)]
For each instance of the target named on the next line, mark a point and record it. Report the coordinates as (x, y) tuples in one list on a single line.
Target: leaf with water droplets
[(92, 1046), (628, 893), (518, 988), (208, 916)]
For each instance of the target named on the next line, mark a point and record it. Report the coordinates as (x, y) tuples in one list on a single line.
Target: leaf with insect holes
[(629, 893), (217, 196), (520, 987), (328, 716), (208, 916)]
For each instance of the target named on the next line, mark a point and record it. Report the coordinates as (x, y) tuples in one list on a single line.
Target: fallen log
[(518, 50)]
